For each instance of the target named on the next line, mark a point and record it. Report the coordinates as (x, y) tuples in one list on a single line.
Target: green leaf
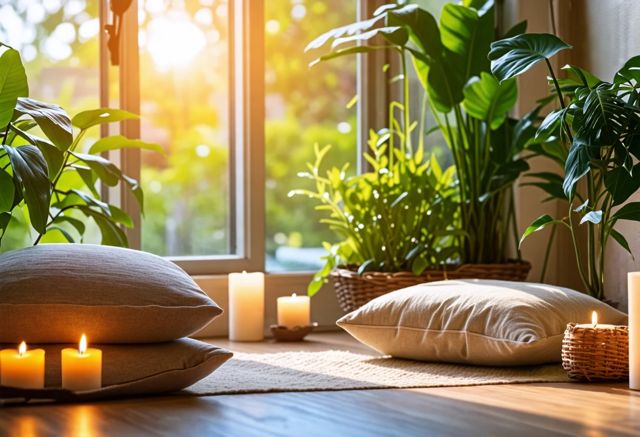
[(64, 233), (396, 35), (51, 153), (489, 100), (52, 119), (513, 56), (90, 201), (366, 266), (517, 29), (419, 265), (7, 191), (630, 71), (30, 169), (112, 235), (107, 171), (537, 225), (594, 217), (89, 177), (468, 34), (585, 77), (621, 240), (94, 117), (342, 52), (577, 164), (630, 211), (13, 83), (349, 29), (116, 142), (315, 285), (121, 217), (136, 190), (422, 26), (550, 124), (620, 184), (77, 224)]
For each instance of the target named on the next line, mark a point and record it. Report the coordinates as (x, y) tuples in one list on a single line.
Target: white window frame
[(247, 144)]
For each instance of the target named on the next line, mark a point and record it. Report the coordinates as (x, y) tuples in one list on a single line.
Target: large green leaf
[(52, 119), (30, 169), (422, 26), (487, 99), (13, 83), (468, 33), (53, 155), (94, 117), (7, 191), (396, 35), (621, 240), (349, 29), (116, 142), (513, 56), (630, 71), (621, 184), (578, 162), (630, 211)]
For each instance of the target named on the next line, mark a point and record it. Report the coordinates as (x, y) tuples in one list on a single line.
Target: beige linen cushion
[(54, 293), (129, 370), (496, 323)]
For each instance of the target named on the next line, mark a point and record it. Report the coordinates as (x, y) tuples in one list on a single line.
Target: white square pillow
[(485, 322)]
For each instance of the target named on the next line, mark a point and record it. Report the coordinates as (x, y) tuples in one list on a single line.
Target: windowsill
[(324, 305)]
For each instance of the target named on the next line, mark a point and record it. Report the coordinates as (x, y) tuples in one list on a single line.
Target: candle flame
[(22, 349), (82, 348), (294, 295), (594, 319)]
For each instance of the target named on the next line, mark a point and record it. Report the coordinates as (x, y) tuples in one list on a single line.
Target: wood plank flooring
[(510, 410)]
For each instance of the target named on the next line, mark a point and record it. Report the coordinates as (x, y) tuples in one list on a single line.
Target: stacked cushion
[(135, 306), (483, 322)]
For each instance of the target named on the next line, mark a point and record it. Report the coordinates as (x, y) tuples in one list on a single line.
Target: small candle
[(594, 323), (22, 368), (294, 311), (246, 306), (82, 367), (634, 329)]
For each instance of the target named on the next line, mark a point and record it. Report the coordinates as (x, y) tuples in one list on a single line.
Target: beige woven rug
[(340, 370)]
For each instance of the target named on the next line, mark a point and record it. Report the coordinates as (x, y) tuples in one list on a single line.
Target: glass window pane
[(184, 88), (303, 106)]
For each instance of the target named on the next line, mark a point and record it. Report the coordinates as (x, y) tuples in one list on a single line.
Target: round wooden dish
[(354, 290), (596, 354)]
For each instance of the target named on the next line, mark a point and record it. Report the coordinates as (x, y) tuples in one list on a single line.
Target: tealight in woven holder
[(596, 353)]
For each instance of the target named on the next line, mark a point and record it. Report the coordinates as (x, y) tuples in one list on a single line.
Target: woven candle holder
[(596, 353)]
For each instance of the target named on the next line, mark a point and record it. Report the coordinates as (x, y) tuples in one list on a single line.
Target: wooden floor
[(509, 410)]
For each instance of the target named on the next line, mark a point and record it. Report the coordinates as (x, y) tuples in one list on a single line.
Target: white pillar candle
[(294, 311), (634, 330), (21, 367), (246, 306), (82, 367)]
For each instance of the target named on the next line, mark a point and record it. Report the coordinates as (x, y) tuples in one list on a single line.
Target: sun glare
[(173, 43)]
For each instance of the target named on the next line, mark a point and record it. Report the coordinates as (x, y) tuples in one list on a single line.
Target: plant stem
[(547, 253), (560, 97)]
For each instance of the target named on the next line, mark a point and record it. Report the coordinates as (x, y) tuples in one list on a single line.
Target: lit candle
[(594, 323), (82, 367), (246, 306), (634, 330), (22, 368), (294, 311)]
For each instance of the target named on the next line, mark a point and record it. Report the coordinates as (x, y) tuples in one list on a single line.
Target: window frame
[(247, 136)]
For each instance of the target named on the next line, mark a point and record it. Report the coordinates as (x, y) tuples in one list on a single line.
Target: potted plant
[(51, 177), (470, 107), (593, 135)]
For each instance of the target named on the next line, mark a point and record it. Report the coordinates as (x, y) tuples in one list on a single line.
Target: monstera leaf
[(513, 56)]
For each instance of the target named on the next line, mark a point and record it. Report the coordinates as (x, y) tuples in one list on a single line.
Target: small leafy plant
[(594, 137), (51, 176), (399, 216)]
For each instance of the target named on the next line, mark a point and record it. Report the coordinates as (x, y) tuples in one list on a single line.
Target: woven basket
[(596, 354), (354, 290)]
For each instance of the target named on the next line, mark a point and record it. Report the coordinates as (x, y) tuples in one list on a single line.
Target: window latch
[(118, 8)]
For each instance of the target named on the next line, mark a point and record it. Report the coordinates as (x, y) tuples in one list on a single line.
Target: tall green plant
[(469, 105), (597, 124), (52, 176)]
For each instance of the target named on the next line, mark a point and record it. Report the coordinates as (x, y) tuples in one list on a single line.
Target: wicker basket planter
[(354, 290), (596, 354)]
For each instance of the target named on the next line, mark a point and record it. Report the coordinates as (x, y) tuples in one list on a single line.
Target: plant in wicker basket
[(399, 216)]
